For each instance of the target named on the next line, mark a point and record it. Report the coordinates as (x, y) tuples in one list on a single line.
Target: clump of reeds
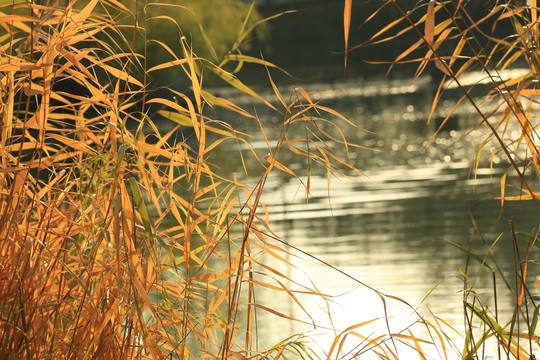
[(449, 40), (117, 240)]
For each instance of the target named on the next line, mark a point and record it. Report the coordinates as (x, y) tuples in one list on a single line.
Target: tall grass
[(453, 42), (120, 240)]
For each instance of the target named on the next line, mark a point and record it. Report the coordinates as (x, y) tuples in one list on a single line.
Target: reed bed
[(123, 241), (454, 42)]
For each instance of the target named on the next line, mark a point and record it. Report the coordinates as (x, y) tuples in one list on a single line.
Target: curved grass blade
[(481, 260)]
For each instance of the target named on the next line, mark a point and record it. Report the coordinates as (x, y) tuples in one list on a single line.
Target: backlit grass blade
[(224, 103), (242, 37), (346, 26), (253, 60), (533, 240), (209, 44), (534, 321), (429, 26), (481, 260), (233, 80), (246, 19), (169, 64), (502, 335), (177, 117), (141, 207)]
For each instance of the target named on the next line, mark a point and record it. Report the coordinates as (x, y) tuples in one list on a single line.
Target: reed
[(121, 240), (454, 42)]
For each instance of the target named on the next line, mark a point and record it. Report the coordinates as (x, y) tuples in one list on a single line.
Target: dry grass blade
[(429, 28), (464, 42), (346, 26), (117, 240)]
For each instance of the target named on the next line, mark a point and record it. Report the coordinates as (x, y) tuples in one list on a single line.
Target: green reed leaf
[(534, 322), (248, 15), (234, 81), (502, 334), (141, 206), (253, 60), (488, 320), (529, 238), (480, 259), (169, 251), (176, 117), (209, 44)]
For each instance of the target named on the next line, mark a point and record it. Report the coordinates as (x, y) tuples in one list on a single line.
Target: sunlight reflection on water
[(386, 232)]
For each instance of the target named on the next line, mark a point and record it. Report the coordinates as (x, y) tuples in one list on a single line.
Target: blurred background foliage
[(307, 41), (211, 28)]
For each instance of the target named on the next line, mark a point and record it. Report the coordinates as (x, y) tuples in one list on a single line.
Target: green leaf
[(248, 15), (121, 154), (143, 212), (233, 80), (209, 44), (168, 250), (488, 320), (141, 206), (176, 117), (254, 60), (529, 238), (495, 327), (153, 126), (534, 321), (480, 259)]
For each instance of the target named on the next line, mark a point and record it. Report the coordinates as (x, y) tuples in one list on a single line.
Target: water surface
[(388, 228)]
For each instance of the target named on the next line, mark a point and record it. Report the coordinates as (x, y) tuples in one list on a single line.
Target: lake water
[(386, 229)]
